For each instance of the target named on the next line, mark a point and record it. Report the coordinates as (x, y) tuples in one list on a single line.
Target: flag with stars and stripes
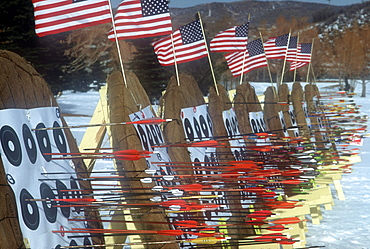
[(303, 56), (187, 44), (276, 47), (57, 16), (231, 40), (244, 62), (141, 18), (292, 49)]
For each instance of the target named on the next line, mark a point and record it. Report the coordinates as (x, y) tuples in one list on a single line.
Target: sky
[(190, 3)]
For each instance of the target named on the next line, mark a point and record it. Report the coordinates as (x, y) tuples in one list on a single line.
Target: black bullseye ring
[(188, 130), (30, 212), (49, 206), (11, 145), (59, 138), (29, 143), (87, 242), (43, 141), (66, 211)]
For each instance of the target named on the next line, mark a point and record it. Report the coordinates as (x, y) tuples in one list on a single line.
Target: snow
[(343, 227)]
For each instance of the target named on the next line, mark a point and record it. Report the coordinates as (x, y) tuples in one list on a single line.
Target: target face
[(26, 167), (257, 122), (197, 123), (151, 135), (232, 128), (293, 120), (283, 124)]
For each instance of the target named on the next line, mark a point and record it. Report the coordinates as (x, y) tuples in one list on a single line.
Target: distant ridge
[(238, 12)]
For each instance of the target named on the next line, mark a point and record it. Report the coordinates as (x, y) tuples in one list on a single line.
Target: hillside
[(224, 15)]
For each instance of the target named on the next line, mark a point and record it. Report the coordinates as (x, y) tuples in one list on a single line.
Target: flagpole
[(174, 60), (242, 72), (309, 64), (117, 44), (208, 55), (286, 54), (245, 53), (296, 60), (268, 66)]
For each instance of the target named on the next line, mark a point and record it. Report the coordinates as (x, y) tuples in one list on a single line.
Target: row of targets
[(27, 161)]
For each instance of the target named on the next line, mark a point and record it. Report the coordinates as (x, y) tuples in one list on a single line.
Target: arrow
[(148, 121)]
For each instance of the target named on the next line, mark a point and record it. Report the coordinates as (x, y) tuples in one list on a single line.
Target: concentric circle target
[(59, 138), (11, 145), (50, 211), (29, 143), (43, 141), (30, 212), (66, 211)]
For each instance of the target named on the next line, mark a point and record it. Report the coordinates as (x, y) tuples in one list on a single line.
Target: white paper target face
[(22, 153), (232, 128), (293, 120), (150, 135), (258, 124), (198, 126), (283, 124)]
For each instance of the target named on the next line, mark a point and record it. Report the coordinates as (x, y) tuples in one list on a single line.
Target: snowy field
[(343, 227)]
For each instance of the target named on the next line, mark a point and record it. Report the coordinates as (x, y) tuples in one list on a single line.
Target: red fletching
[(189, 187), (131, 152), (208, 143), (84, 200), (293, 181), (186, 223), (290, 220), (276, 228), (254, 190), (170, 232)]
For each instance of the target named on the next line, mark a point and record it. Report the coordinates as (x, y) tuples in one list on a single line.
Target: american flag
[(244, 62), (276, 47), (231, 40), (57, 16), (141, 18), (188, 44), (292, 49), (303, 56)]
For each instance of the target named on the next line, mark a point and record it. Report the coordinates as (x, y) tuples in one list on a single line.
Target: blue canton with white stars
[(306, 48), (293, 42), (76, 1), (191, 32), (154, 7), (255, 47), (282, 40), (242, 30)]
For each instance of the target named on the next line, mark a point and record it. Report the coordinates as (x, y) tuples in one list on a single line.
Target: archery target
[(26, 168), (29, 143), (30, 211), (232, 128), (198, 126), (150, 136), (11, 145), (293, 120), (43, 141), (283, 124), (257, 122), (59, 138), (197, 123), (49, 210)]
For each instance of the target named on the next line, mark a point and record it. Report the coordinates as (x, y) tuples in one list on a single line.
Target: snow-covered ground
[(343, 227)]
